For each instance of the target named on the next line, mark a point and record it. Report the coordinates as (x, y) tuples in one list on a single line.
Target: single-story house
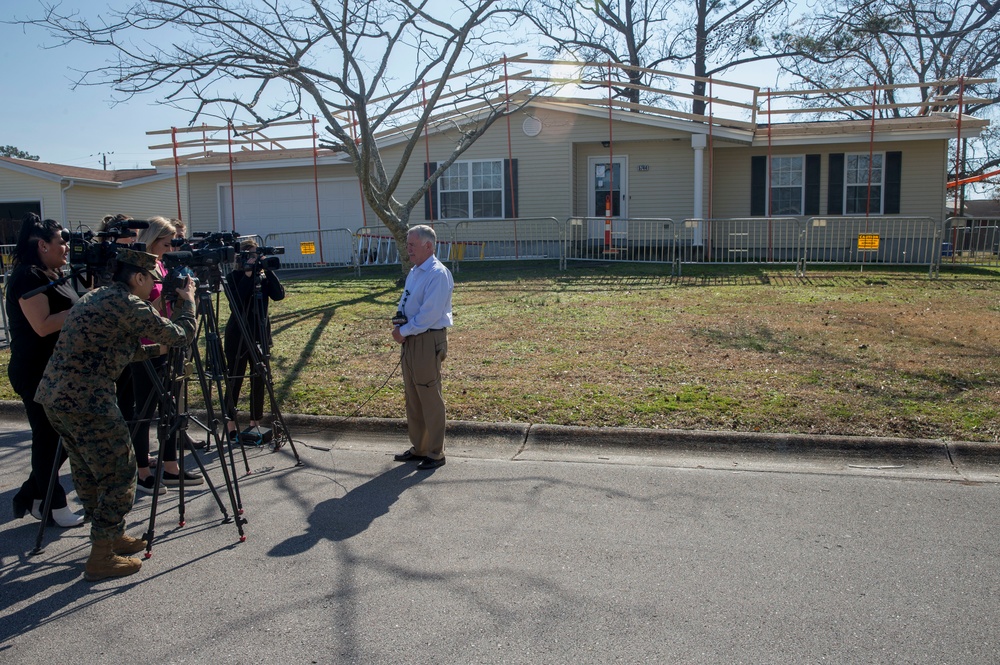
[(554, 157), (74, 195), (559, 159)]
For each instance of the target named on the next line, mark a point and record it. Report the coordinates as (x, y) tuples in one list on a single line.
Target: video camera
[(93, 254), (201, 259), (262, 258)]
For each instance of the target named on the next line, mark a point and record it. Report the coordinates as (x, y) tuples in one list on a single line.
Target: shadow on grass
[(326, 314)]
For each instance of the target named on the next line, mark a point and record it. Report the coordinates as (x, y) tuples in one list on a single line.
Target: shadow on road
[(344, 517)]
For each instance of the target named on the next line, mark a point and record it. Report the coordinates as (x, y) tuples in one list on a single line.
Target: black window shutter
[(835, 185), (510, 198), (813, 165), (893, 181), (758, 186), (431, 197)]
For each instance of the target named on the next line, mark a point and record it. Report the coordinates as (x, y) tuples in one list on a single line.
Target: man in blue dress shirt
[(422, 330)]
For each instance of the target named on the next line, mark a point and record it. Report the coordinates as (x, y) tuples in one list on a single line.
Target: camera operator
[(35, 323), (124, 388), (100, 338), (243, 284), (157, 240)]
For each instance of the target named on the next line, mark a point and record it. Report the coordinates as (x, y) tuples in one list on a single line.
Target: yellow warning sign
[(309, 247), (867, 241)]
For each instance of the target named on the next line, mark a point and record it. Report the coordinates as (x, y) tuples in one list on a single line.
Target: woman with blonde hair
[(157, 239)]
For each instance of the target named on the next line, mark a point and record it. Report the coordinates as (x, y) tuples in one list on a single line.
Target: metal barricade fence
[(525, 238), (971, 241), (648, 240), (376, 246), (740, 240), (315, 249), (873, 240)]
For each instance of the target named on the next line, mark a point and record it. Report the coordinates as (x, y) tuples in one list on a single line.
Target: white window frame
[(862, 183), (780, 177), (444, 187)]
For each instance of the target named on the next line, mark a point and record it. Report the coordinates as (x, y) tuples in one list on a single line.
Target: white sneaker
[(64, 517)]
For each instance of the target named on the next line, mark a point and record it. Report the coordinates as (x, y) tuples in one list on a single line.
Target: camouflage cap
[(138, 259)]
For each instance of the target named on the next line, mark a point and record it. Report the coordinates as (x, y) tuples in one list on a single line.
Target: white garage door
[(287, 207)]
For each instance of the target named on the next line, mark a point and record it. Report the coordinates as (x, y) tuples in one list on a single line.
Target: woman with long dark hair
[(34, 323)]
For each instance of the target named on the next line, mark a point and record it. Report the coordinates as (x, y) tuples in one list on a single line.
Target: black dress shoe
[(429, 464), (408, 456)]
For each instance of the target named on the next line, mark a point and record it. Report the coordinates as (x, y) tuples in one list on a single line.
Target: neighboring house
[(982, 209), (73, 195)]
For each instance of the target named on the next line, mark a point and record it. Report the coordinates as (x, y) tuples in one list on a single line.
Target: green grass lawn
[(837, 352)]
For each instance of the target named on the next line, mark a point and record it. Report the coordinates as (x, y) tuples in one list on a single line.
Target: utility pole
[(104, 158)]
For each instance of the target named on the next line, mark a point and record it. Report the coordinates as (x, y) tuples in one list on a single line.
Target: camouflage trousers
[(103, 465)]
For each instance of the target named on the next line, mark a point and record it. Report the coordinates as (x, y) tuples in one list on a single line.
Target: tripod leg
[(47, 504), (151, 530), (213, 350)]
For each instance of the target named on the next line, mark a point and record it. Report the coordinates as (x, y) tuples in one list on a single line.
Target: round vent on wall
[(531, 126)]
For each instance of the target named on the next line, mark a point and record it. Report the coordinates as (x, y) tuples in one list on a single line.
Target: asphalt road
[(531, 549)]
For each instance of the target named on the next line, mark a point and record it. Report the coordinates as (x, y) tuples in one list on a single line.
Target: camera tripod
[(254, 330), (171, 393)]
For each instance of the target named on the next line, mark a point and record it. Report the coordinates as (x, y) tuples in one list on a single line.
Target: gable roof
[(982, 208), (59, 172)]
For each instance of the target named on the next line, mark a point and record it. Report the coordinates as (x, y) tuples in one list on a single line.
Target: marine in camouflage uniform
[(99, 339)]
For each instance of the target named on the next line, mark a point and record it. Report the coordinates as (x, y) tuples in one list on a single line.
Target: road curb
[(542, 436)]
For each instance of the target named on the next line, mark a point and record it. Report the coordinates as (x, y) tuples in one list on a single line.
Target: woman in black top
[(34, 323), (241, 284)]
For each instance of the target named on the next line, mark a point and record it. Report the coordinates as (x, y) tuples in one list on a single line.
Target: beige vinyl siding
[(924, 179), (665, 190), (16, 186), (924, 173), (547, 162), (88, 204)]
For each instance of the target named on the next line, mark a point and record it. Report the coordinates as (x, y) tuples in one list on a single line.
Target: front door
[(607, 190)]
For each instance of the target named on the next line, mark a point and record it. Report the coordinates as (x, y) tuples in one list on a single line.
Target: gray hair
[(424, 232)]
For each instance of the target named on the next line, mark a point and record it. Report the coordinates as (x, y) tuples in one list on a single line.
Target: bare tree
[(860, 43), (373, 61), (620, 33), (710, 36)]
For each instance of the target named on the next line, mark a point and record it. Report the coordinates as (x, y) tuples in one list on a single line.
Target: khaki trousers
[(425, 417)]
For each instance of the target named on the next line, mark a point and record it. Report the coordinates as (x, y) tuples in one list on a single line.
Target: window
[(791, 187), (787, 185), (856, 182), (472, 190)]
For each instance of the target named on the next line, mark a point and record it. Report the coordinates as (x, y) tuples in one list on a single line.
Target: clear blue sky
[(44, 116)]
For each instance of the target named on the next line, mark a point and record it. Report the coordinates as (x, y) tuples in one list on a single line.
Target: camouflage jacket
[(99, 339)]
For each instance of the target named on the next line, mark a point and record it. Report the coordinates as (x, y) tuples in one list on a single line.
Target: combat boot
[(126, 544), (103, 562)]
